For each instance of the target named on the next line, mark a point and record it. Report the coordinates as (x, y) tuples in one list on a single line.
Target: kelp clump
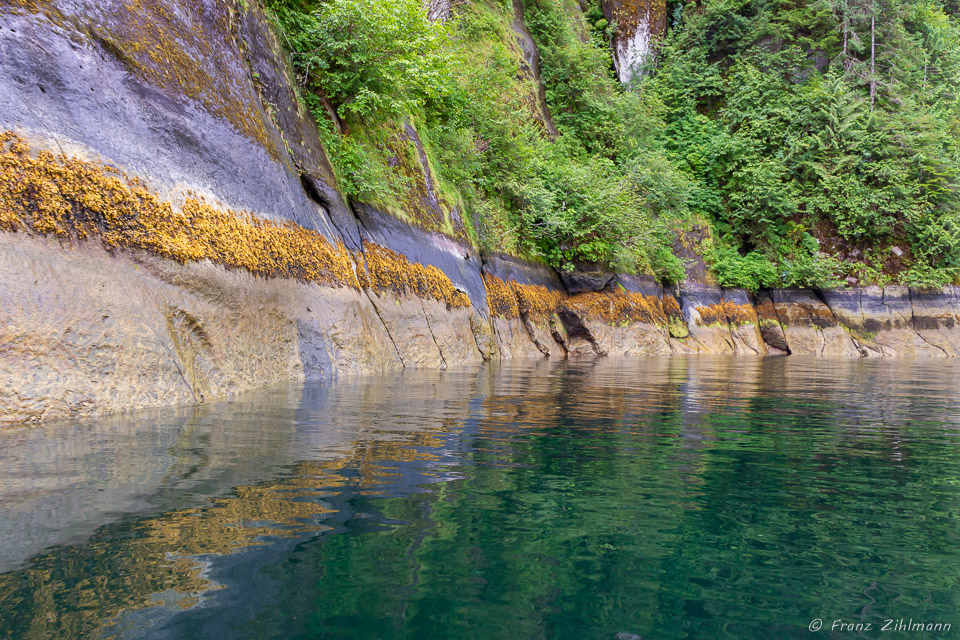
[(500, 298), (619, 307), (727, 312), (389, 271), (71, 198), (535, 300), (513, 299)]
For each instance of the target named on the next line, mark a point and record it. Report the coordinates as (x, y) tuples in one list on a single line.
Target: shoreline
[(166, 242), (90, 331)]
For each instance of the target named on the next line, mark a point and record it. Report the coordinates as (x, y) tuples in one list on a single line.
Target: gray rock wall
[(87, 328), (193, 99)]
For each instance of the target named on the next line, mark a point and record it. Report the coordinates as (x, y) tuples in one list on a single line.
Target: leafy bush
[(563, 201), (782, 123), (580, 210), (807, 267), (753, 271), (359, 174), (369, 56), (767, 119)]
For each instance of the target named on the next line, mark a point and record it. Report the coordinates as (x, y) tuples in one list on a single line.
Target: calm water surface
[(663, 498)]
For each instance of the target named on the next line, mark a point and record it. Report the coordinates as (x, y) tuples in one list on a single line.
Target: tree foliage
[(369, 56), (819, 138), (364, 64), (821, 134)]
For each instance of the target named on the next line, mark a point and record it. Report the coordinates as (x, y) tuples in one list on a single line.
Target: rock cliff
[(171, 232)]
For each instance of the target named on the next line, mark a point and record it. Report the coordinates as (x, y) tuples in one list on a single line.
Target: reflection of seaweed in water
[(75, 591), (72, 591), (695, 490)]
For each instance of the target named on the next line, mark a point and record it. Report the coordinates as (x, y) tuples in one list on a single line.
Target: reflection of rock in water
[(68, 487), (60, 482), (190, 509)]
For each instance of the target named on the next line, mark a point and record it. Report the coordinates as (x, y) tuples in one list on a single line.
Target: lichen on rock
[(184, 49)]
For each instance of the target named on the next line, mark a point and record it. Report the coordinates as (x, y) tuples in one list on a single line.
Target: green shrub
[(560, 201), (752, 272), (371, 57), (807, 267), (755, 118), (773, 121)]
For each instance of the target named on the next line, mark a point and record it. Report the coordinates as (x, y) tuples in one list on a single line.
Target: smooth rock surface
[(709, 335), (85, 332), (809, 326), (585, 278)]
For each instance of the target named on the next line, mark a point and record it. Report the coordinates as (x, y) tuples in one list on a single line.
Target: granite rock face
[(530, 332), (438, 9), (936, 318), (646, 334), (703, 313), (86, 332), (586, 277), (79, 76), (721, 321), (740, 309), (770, 328), (883, 321)]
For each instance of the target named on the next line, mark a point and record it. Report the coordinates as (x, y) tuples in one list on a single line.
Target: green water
[(653, 498)]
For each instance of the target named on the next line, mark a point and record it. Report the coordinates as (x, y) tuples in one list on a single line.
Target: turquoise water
[(653, 498)]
